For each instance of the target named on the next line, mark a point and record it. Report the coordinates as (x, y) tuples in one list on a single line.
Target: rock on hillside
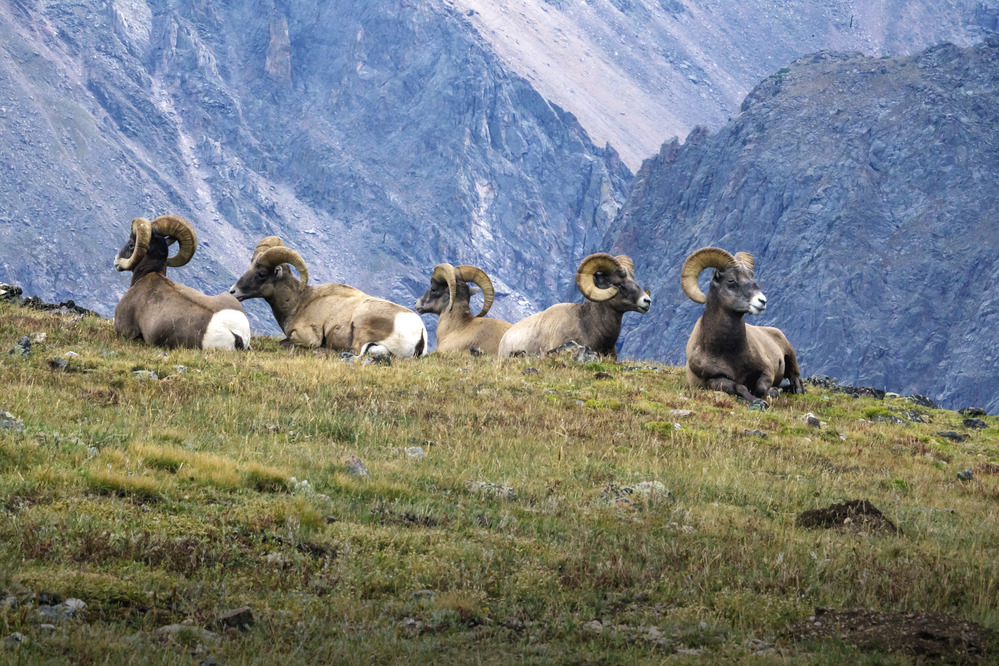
[(866, 189), (636, 72), (377, 139)]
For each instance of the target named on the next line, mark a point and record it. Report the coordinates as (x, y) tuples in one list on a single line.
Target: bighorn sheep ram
[(725, 353), (334, 316), (162, 312), (448, 296), (608, 283)]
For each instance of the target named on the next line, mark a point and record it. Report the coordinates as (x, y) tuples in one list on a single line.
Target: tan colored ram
[(448, 296), (334, 316)]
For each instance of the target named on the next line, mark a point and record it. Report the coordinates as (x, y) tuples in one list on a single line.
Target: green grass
[(174, 500)]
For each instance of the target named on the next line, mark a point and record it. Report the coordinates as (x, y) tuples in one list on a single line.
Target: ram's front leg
[(731, 387), (765, 388)]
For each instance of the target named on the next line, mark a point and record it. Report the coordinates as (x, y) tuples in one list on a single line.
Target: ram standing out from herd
[(724, 353)]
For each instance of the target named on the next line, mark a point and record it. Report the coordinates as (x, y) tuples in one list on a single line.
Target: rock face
[(865, 188), (636, 72), (378, 140)]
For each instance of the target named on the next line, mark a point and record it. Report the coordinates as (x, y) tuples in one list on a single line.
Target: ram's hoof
[(759, 405)]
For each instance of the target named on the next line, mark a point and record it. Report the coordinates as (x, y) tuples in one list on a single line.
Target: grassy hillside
[(532, 528)]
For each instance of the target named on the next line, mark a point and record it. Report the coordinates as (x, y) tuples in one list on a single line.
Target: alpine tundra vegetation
[(276, 507)]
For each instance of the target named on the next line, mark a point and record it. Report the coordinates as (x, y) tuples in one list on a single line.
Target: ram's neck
[(286, 300), (602, 324), (722, 330)]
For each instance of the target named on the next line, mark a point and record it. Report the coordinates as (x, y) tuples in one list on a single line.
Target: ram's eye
[(731, 283)]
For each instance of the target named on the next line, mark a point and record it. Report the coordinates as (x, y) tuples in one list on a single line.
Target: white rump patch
[(223, 329), (406, 335)]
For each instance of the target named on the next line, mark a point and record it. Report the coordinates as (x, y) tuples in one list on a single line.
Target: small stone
[(603, 375), (162, 354), (680, 413), (355, 467), (208, 661), (415, 452), (974, 423), (812, 420), (595, 626), (422, 594), (955, 436), (475, 351), (67, 610), (145, 374), (756, 433), (382, 359), (59, 364), (71, 354), (38, 338), (922, 401), (8, 422), (972, 411), (179, 369), (12, 641), (529, 371), (47, 627), (348, 357), (22, 347), (966, 475), (487, 489), (182, 630), (238, 618), (108, 353), (759, 406)]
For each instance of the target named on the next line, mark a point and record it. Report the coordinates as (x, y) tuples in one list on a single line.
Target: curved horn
[(266, 244), (593, 264), (142, 228), (179, 228), (626, 261), (745, 258), (276, 256), (445, 273), (479, 277), (706, 257)]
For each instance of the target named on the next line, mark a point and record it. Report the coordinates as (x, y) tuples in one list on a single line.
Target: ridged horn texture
[(626, 261), (266, 244), (181, 229), (600, 262), (143, 230), (479, 277), (745, 258), (445, 273), (706, 257), (276, 256)]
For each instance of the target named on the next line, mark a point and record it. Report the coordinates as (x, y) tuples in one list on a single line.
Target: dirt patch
[(936, 636), (854, 514)]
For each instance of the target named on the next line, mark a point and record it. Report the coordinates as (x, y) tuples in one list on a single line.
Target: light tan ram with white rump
[(334, 316)]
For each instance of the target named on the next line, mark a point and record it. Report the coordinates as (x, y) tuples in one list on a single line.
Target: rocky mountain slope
[(865, 187), (637, 72), (377, 140)]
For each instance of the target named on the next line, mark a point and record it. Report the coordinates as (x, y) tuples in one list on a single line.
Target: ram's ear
[(278, 271)]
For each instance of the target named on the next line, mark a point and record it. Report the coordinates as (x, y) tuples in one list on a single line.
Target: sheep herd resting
[(723, 352)]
